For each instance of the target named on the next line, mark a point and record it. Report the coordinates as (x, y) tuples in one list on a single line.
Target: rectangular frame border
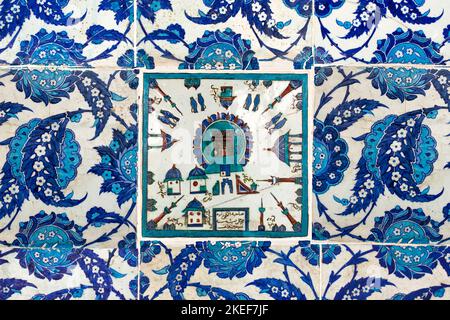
[(304, 77)]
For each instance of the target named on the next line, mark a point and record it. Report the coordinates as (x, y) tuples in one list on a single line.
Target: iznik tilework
[(226, 157), (80, 33), (382, 31), (73, 109), (224, 270), (381, 155), (224, 34)]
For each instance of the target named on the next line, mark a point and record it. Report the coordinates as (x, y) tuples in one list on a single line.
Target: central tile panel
[(225, 155)]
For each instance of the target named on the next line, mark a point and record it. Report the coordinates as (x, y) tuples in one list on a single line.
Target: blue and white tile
[(68, 158), (363, 272), (83, 33), (382, 31), (223, 34), (62, 273), (380, 170), (175, 270)]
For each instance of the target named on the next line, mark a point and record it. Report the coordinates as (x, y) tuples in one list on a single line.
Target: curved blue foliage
[(64, 294), (96, 94), (349, 112), (10, 110), (52, 12), (408, 11), (181, 270), (11, 286), (362, 288), (97, 271), (278, 289), (423, 294), (12, 15), (367, 16), (98, 34)]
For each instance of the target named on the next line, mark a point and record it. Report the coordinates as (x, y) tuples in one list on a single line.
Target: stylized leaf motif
[(399, 153), (262, 19), (145, 8), (218, 293), (122, 9), (64, 294), (12, 16), (278, 289), (97, 271), (361, 289), (364, 20), (98, 34), (215, 14), (52, 12), (400, 148), (182, 269), (174, 34), (98, 217), (349, 112), (423, 294), (408, 11), (96, 94), (9, 287), (302, 7), (49, 160), (10, 110)]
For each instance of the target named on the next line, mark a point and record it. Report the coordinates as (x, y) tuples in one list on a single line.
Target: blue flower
[(404, 47), (52, 49), (232, 259), (48, 241), (127, 61), (149, 250), (330, 157), (128, 249), (323, 8), (408, 226), (119, 159), (412, 262), (220, 50), (305, 60), (144, 284)]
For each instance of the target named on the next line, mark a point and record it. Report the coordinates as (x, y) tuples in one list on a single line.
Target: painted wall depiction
[(226, 156)]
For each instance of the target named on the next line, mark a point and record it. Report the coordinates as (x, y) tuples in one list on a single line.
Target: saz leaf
[(362, 288), (278, 289)]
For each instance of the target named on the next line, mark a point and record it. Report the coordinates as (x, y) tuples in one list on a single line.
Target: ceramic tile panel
[(363, 272), (381, 155), (225, 270), (225, 156), (63, 273), (68, 158), (224, 34), (382, 31), (84, 33)]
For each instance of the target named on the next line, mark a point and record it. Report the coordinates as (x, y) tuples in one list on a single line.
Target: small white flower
[(328, 136), (192, 256), (369, 184), (404, 187), (42, 54), (396, 176), (411, 122), (100, 280), (396, 146), (40, 150), (214, 16), (262, 16), (2, 114), (232, 66), (413, 16), (207, 66), (48, 11), (364, 16), (399, 54), (14, 189), (184, 266), (332, 176), (442, 80), (356, 23), (394, 161), (357, 110), (179, 277), (285, 293), (228, 54), (337, 121), (219, 66), (274, 289), (7, 198), (48, 192), (347, 113), (41, 236), (362, 193), (218, 51), (55, 126), (95, 269), (100, 104), (87, 82), (404, 9), (337, 149), (40, 181), (9, 18), (353, 199), (397, 231), (95, 92), (38, 166), (223, 10), (46, 137), (402, 133), (338, 163), (15, 9), (256, 7), (356, 292), (371, 7), (271, 23), (87, 260)]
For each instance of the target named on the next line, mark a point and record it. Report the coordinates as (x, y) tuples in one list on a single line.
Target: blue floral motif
[(323, 8), (49, 240), (128, 249), (221, 50), (149, 250), (404, 47), (312, 253), (124, 9), (233, 259), (127, 61), (52, 49), (330, 157), (408, 262), (118, 166), (407, 226), (305, 60)]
